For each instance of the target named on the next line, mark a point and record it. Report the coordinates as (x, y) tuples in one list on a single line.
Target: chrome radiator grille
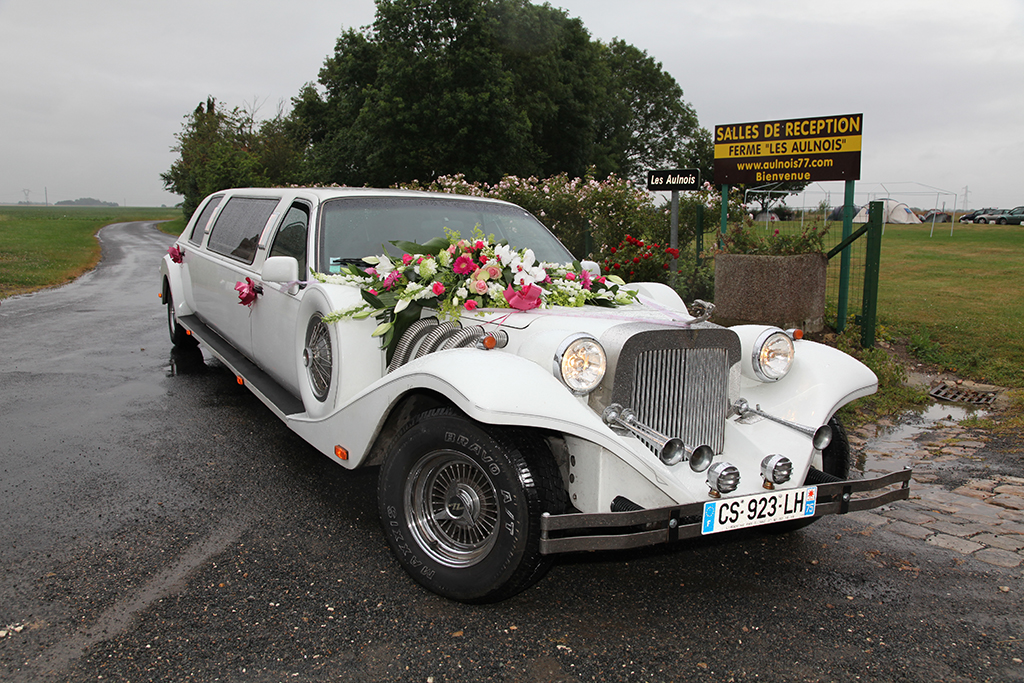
[(683, 393), (677, 381)]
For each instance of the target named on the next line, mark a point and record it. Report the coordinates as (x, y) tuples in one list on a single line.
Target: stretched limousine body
[(521, 405)]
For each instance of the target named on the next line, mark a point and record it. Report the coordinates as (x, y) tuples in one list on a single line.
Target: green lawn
[(958, 299), (46, 246)]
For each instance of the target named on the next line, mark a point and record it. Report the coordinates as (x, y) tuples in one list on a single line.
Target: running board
[(266, 388)]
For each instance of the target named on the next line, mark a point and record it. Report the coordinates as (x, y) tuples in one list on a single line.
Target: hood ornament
[(701, 310)]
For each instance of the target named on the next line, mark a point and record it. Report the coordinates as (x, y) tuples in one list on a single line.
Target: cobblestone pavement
[(949, 507)]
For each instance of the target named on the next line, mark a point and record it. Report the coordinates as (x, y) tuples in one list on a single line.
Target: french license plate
[(761, 508)]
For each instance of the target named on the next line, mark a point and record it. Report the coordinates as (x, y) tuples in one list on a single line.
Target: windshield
[(355, 227)]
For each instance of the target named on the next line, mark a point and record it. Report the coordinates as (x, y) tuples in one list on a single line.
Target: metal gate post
[(842, 304), (872, 266), (700, 233)]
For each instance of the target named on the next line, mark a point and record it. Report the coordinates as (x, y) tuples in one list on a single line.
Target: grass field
[(956, 300), (43, 246)]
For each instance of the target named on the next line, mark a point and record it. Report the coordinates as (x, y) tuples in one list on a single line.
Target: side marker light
[(340, 453)]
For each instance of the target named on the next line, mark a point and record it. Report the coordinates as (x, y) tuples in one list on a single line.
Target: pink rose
[(525, 300), (437, 288), (406, 259), (479, 286), (469, 305), (479, 244), (570, 276)]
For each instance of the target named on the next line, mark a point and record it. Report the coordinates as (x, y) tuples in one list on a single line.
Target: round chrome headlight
[(773, 355), (581, 363)]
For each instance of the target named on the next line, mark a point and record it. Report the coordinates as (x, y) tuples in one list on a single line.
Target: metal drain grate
[(949, 392)]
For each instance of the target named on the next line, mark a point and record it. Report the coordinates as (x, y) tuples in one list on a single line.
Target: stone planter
[(787, 291)]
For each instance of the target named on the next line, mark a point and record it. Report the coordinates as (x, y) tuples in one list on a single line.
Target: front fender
[(491, 387), (821, 380)]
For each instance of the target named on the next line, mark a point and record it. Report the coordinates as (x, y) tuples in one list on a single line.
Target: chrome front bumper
[(621, 530)]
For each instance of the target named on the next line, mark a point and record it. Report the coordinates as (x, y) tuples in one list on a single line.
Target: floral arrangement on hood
[(455, 276)]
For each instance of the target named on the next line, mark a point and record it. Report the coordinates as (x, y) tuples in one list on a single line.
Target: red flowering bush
[(637, 261)]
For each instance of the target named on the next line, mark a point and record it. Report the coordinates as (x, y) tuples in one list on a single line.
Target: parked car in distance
[(444, 338), (1012, 217), (971, 216), (989, 215)]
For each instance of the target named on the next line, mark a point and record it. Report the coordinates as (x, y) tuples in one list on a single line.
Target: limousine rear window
[(199, 229), (236, 233)]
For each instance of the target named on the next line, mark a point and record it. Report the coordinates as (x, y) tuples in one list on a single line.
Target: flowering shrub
[(570, 207), (749, 238), (609, 210), (638, 261), (454, 275)]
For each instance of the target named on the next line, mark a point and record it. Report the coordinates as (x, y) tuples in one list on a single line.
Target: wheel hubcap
[(452, 508)]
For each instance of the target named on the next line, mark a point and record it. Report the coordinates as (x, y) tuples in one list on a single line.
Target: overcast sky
[(93, 92)]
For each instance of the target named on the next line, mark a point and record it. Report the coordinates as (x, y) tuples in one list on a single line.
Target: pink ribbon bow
[(247, 292), (525, 300)]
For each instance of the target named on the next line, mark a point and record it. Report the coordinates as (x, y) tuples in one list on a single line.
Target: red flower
[(176, 253), (636, 259), (613, 250)]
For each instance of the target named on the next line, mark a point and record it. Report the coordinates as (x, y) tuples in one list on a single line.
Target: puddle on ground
[(895, 446)]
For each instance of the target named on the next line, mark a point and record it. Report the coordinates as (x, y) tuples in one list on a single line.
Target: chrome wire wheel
[(317, 357), (451, 508)]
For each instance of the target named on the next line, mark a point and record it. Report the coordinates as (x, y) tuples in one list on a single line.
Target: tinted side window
[(200, 227), (291, 238), (237, 230)]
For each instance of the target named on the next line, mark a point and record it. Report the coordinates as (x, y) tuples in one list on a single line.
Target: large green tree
[(220, 148), (485, 88)]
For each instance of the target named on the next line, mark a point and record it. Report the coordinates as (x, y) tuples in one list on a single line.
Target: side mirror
[(592, 267), (280, 269)]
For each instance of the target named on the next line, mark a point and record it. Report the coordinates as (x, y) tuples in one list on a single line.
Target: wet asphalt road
[(159, 524)]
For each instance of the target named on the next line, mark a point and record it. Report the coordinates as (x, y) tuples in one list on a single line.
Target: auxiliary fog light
[(723, 478), (776, 469)]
